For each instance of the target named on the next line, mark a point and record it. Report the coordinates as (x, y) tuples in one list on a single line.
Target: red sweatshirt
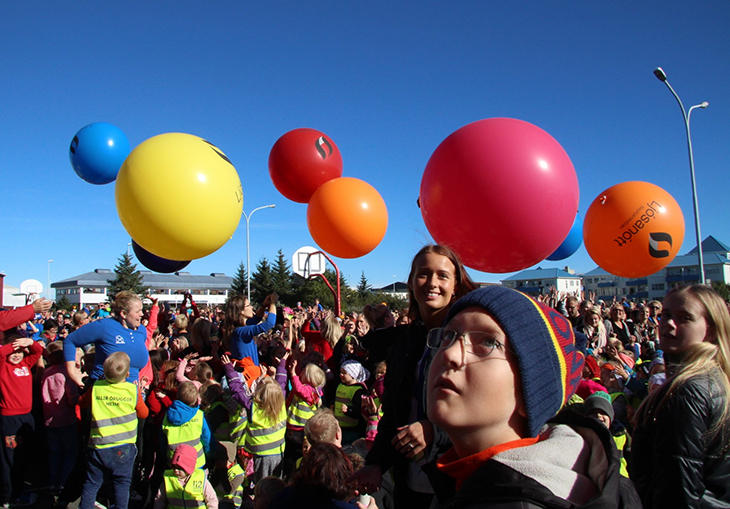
[(16, 381)]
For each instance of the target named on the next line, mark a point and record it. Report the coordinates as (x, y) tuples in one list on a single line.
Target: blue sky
[(387, 81)]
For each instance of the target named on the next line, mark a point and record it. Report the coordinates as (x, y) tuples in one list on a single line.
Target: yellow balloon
[(178, 196)]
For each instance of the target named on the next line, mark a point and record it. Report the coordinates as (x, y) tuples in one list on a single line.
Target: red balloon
[(501, 192), (301, 161)]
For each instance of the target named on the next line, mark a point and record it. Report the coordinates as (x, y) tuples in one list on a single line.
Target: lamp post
[(248, 248), (48, 281), (661, 76)]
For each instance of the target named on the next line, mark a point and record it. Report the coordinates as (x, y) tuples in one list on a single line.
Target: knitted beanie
[(550, 355), (599, 400)]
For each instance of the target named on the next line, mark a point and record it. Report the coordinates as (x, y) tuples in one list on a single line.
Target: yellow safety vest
[(263, 437), (620, 441), (188, 433), (188, 496), (300, 411), (233, 429), (344, 395), (237, 496), (113, 414)]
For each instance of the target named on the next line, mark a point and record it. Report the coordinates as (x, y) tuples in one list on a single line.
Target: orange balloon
[(633, 229), (347, 217)]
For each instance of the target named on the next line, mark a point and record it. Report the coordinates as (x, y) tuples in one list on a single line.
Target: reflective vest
[(300, 411), (233, 429), (113, 414), (188, 433), (185, 497), (344, 395), (620, 441), (237, 496), (263, 437)]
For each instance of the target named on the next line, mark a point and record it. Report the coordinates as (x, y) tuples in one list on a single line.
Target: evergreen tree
[(238, 285), (262, 281), (282, 276), (62, 303), (364, 289), (723, 289), (127, 277)]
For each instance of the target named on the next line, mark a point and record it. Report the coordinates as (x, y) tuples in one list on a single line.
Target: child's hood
[(179, 413)]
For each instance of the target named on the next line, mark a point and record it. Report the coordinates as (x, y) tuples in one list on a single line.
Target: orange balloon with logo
[(347, 217), (633, 229)]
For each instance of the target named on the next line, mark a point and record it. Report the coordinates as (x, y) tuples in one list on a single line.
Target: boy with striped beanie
[(505, 365)]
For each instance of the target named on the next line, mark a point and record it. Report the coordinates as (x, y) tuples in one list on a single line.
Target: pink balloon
[(501, 192)]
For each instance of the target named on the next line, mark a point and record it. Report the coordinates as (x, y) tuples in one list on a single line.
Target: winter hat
[(599, 401), (230, 448), (549, 353), (355, 370), (185, 457)]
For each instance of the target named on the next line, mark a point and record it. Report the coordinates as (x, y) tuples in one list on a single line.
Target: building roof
[(540, 273), (178, 280), (399, 288), (711, 245)]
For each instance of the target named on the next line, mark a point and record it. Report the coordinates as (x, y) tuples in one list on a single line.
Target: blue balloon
[(98, 151), (155, 263), (571, 243)]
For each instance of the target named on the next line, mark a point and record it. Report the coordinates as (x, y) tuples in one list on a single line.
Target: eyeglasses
[(478, 343)]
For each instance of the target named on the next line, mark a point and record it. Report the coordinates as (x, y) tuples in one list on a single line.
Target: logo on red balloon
[(654, 240), (321, 144)]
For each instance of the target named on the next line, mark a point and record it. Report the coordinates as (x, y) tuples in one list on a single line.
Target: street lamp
[(661, 76), (48, 282), (248, 248)]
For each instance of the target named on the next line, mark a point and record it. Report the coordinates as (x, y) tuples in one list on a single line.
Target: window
[(657, 287)]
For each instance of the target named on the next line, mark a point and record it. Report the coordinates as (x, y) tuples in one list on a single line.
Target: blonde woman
[(594, 329), (682, 433)]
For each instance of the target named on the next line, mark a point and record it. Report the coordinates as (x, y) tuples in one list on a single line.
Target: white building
[(681, 271), (536, 281), (91, 287)]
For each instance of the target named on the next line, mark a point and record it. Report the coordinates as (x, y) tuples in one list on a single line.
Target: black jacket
[(497, 485), (673, 461)]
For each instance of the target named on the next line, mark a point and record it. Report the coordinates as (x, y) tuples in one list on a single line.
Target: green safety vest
[(300, 411), (237, 496), (188, 496), (113, 414), (188, 433), (620, 441), (344, 395), (263, 437)]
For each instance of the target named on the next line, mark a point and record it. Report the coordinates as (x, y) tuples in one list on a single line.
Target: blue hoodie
[(179, 413)]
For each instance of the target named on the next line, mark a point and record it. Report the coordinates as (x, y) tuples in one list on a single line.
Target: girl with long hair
[(682, 432), (436, 280)]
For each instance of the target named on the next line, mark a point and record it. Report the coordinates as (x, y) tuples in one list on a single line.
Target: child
[(267, 489), (60, 396), (304, 400), (348, 400), (504, 366), (17, 357), (598, 406), (233, 494), (116, 406), (372, 409), (184, 423), (266, 411), (184, 484)]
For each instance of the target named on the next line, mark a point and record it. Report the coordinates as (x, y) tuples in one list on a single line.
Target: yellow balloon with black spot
[(178, 196)]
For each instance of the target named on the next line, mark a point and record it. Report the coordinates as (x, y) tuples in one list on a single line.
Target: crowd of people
[(471, 397)]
